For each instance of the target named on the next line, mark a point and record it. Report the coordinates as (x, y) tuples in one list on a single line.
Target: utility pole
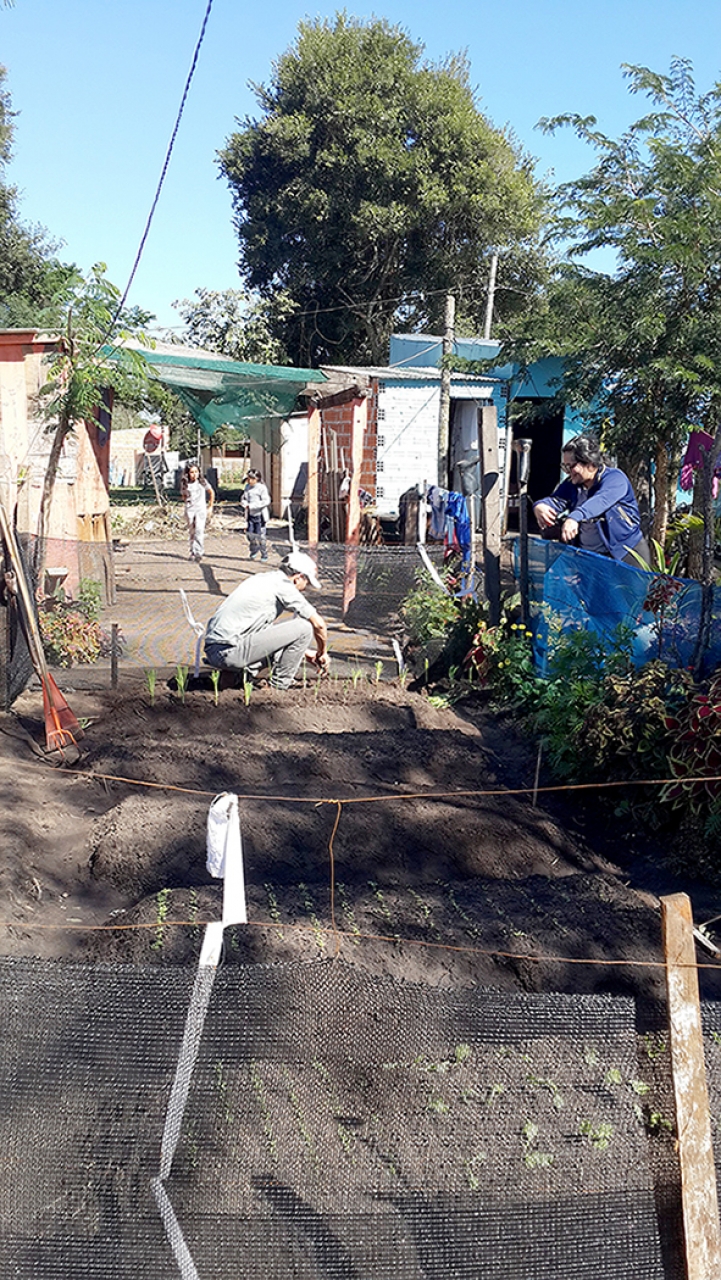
[(444, 412), (491, 296)]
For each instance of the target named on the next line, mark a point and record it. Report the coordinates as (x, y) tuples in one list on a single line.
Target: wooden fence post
[(491, 509), (358, 431), (698, 1176), (313, 451)]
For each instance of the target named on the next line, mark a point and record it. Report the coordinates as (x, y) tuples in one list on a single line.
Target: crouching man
[(244, 631)]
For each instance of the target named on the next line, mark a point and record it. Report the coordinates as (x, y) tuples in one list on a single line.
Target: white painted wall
[(293, 459), (407, 440)]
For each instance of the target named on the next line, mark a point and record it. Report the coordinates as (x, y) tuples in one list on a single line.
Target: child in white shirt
[(198, 496)]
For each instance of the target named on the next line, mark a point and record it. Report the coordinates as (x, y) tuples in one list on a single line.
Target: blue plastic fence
[(571, 589)]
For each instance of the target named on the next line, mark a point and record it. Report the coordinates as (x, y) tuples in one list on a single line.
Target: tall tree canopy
[(644, 345), (30, 274), (371, 185), (236, 324)]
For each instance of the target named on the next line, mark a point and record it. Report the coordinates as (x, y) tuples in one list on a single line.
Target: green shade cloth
[(220, 392)]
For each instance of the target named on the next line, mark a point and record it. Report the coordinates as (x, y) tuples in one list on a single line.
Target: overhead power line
[(166, 162)]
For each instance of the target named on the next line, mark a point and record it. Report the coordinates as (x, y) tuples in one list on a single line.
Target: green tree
[(235, 323), (91, 357), (643, 345), (30, 275), (370, 186)]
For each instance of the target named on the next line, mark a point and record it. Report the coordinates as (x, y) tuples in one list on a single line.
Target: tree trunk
[(704, 480), (694, 562), (660, 495), (40, 549)]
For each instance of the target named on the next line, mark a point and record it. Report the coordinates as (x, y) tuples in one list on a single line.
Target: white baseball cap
[(299, 562)]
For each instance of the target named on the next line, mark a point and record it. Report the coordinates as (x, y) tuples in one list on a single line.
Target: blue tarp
[(571, 589)]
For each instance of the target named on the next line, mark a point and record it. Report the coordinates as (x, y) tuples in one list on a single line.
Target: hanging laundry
[(699, 446), (450, 520), (457, 511), (437, 499)]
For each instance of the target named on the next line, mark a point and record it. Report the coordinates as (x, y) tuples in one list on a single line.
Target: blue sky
[(97, 87)]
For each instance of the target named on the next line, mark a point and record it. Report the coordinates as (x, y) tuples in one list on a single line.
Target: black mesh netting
[(16, 667), (383, 578), (309, 1121)]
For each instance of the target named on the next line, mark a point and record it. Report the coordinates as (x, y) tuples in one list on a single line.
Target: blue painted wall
[(542, 379)]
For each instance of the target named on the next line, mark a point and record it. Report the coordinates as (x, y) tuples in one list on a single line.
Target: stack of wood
[(335, 473)]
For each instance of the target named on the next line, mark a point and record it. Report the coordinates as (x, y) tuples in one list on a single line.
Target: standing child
[(198, 496), (256, 501)]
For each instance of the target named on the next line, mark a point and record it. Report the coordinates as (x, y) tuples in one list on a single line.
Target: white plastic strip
[(432, 568), (234, 905), (398, 656), (176, 1239), (194, 1023)]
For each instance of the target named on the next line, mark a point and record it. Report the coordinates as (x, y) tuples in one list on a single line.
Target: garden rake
[(62, 729)]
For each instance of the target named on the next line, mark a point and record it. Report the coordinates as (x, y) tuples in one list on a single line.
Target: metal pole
[(114, 653), (491, 296), (523, 449), (444, 408)]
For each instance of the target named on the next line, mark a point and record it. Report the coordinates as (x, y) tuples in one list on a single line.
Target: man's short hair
[(585, 449)]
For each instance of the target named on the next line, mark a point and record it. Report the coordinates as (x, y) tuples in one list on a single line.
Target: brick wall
[(339, 420)]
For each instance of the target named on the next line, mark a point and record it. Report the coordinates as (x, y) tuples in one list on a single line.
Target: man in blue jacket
[(595, 505)]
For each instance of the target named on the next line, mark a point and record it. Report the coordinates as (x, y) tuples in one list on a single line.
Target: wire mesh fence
[(332, 1125)]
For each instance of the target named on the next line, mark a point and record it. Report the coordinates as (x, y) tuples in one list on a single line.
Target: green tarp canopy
[(219, 392)]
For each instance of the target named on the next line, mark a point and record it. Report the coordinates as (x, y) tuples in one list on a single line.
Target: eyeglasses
[(568, 466)]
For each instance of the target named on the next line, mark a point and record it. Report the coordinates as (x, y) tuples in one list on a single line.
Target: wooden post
[(491, 509), (508, 457), (444, 409), (358, 431), (313, 451), (114, 652), (698, 1176), (153, 477), (111, 594)]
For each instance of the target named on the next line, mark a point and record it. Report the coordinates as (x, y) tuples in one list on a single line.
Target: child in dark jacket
[(256, 502)]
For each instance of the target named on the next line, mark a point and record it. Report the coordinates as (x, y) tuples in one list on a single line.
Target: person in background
[(198, 496), (256, 501), (244, 630), (595, 505)]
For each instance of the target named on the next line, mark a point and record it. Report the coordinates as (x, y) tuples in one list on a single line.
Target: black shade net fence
[(383, 577), (15, 664), (309, 1121)]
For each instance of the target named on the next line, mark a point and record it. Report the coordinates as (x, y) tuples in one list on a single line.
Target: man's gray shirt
[(255, 604)]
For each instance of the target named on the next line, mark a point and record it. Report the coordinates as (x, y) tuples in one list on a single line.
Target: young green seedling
[(151, 677), (181, 679), (215, 681)]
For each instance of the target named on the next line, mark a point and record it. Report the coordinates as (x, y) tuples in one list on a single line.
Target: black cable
[(164, 171)]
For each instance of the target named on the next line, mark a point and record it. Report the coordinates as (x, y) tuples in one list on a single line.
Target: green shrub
[(694, 751), (502, 660), (70, 638), (427, 611), (90, 595), (628, 733)]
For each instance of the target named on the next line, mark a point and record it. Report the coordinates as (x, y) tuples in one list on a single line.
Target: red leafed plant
[(695, 752)]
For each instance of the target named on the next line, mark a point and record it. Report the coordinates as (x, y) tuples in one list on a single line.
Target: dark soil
[(434, 881)]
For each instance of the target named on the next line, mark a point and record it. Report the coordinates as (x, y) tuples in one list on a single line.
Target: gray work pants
[(283, 643)]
